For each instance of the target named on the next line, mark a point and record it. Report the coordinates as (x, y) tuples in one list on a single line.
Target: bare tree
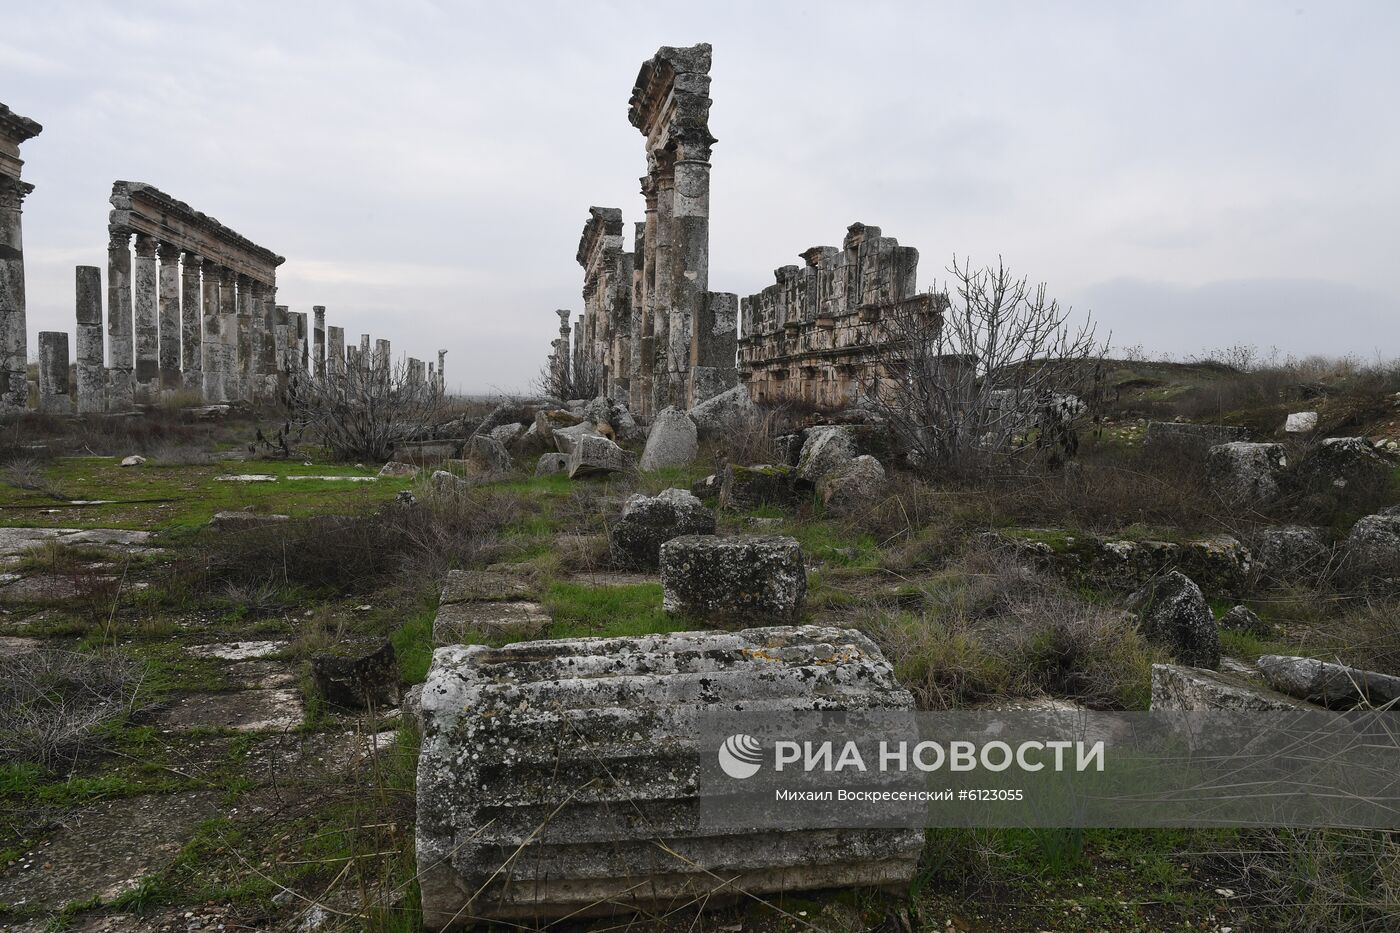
[(583, 378), (364, 412), (971, 380)]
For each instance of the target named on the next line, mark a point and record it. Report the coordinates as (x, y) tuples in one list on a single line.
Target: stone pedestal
[(92, 381), (169, 325), (147, 325), (54, 397)]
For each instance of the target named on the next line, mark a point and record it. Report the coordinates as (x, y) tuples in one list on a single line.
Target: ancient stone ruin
[(14, 384)]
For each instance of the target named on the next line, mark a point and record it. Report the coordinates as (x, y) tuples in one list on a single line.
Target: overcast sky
[(1197, 175)]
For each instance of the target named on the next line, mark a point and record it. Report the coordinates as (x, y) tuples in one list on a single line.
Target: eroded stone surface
[(672, 441), (1242, 473), (733, 579), (1334, 685), (1175, 614), (1190, 689), (456, 623), (826, 450), (258, 710), (594, 456), (556, 715), (748, 487), (1189, 440), (856, 485), (636, 537), (237, 650), (1373, 545)]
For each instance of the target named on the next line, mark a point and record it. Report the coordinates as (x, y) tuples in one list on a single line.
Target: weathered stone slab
[(245, 478), (594, 456), (855, 486), (239, 521), (1193, 689), (240, 710), (398, 468), (488, 454), (728, 411), (1287, 552), (1300, 422), (549, 464), (671, 442), (461, 622), (567, 439), (1243, 473), (1175, 614), (1333, 685), (1373, 545), (748, 487), (827, 449), (337, 479), (465, 586), (599, 813), (740, 578), (358, 676), (237, 650)]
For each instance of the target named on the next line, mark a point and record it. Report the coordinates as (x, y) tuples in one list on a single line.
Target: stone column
[(561, 353), (213, 343), (267, 365), (364, 357), (14, 380), (231, 375), (243, 311), (169, 325), (54, 398), (121, 378), (646, 348), (191, 327), (382, 360), (335, 351), (663, 314), (92, 376), (303, 343), (144, 280), (690, 252), (442, 364), (282, 339), (638, 313), (320, 336)]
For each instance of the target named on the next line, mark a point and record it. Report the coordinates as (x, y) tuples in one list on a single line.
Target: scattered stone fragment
[(246, 478), (1193, 689), (516, 411), (672, 441), (240, 520), (1300, 422), (636, 537), (733, 579), (1373, 546), (748, 487), (1173, 613), (1332, 685), (133, 460), (398, 468), (549, 464), (707, 488), (337, 479), (506, 434), (241, 710), (358, 676), (1344, 466), (1285, 552), (1243, 473), (1244, 619), (827, 449), (547, 421), (594, 456), (852, 487), (488, 455), (730, 410), (459, 622), (237, 650), (567, 439), (562, 717)]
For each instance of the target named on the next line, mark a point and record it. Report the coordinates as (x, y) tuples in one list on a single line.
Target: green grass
[(163, 498), (413, 646), (580, 610)]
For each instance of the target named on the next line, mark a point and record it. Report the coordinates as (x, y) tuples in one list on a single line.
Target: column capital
[(193, 261), (222, 274), (118, 238), (693, 146), (13, 192), (168, 252), (145, 246)]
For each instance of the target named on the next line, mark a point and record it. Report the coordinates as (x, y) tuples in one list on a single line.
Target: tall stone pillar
[(169, 325), (144, 280), (364, 356), (646, 345), (14, 380), (690, 253), (303, 332), (664, 315), (191, 326), (442, 364), (283, 339), (54, 397), (266, 313), (121, 377), (638, 314), (320, 335), (232, 374), (244, 324), (382, 360), (92, 376), (14, 372), (335, 351), (562, 373), (213, 343)]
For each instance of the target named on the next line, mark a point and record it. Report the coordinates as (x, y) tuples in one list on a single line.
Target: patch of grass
[(580, 610), (832, 544), (413, 646)]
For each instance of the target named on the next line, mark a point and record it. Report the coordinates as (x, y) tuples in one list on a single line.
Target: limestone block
[(239, 521), (1300, 422), (728, 411), (740, 578), (396, 468), (1345, 466), (1333, 685), (748, 487), (506, 434), (133, 460), (827, 449), (459, 622), (566, 439), (489, 454), (1241, 472), (1286, 552), (1373, 545), (707, 488), (550, 464), (853, 487), (358, 676), (673, 441), (558, 778), (636, 537), (1173, 612), (1192, 689), (1244, 619), (594, 455)]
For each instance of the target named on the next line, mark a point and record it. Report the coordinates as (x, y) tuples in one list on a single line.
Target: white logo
[(740, 756)]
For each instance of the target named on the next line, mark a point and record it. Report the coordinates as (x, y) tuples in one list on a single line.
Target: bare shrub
[(28, 473), (54, 703), (364, 412), (960, 385), (582, 378)]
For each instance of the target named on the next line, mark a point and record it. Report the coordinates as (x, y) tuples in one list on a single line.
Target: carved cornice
[(16, 128), (13, 192), (670, 97)]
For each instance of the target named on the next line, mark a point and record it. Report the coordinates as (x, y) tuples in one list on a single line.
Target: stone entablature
[(144, 209), (14, 129), (815, 335)]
